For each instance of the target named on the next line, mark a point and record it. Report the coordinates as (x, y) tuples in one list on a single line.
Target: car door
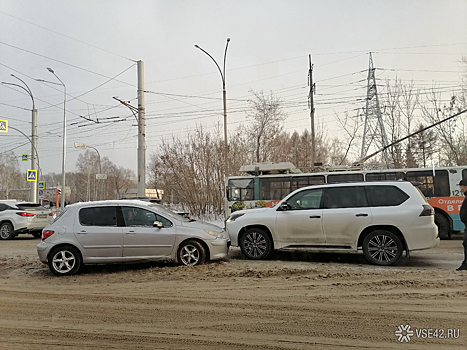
[(97, 232), (141, 239), (299, 220), (345, 214)]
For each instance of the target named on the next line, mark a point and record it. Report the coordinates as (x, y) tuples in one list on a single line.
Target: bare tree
[(451, 133), (425, 143), (267, 119), (191, 172), (10, 176)]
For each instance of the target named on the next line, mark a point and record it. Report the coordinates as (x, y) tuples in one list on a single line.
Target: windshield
[(240, 189), (163, 210)]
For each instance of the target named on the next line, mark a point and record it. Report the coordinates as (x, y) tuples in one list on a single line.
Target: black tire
[(6, 231), (64, 261), (191, 253), (256, 244), (37, 234), (382, 248), (444, 227)]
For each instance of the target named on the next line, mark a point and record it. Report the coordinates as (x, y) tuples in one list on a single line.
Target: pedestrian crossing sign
[(24, 157), (31, 175), (3, 125)]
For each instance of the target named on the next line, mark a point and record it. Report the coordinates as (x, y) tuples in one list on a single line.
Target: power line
[(66, 36), (62, 62)]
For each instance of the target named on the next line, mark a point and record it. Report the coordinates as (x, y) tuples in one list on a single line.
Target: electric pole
[(141, 133), (312, 113), (374, 127), (141, 120)]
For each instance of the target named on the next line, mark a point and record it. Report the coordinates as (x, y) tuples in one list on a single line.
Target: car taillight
[(51, 214), (22, 213), (427, 210), (47, 233)]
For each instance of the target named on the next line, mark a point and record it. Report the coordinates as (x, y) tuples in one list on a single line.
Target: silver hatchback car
[(121, 231)]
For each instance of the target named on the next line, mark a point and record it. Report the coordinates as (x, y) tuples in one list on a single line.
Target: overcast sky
[(93, 46)]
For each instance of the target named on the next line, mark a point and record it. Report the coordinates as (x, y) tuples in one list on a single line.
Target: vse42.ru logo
[(405, 333)]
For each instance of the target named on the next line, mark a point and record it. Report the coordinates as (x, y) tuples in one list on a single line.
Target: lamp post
[(62, 199), (84, 146), (224, 98), (34, 157)]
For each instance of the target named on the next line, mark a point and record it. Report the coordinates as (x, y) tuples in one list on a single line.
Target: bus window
[(274, 188), (385, 176), (336, 178), (303, 181), (464, 174), (240, 189), (431, 186)]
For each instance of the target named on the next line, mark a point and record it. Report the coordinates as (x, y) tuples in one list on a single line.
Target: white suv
[(22, 217), (381, 218)]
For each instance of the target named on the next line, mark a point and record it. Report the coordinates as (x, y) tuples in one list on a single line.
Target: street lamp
[(224, 97), (84, 146), (34, 158), (62, 199), (100, 175)]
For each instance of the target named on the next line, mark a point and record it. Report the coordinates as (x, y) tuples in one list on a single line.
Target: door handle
[(361, 215), (82, 232), (131, 233), (315, 217)]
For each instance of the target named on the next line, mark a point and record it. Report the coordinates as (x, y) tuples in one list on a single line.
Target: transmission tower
[(373, 132)]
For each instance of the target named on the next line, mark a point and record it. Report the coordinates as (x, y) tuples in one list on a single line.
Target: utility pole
[(141, 133), (312, 113), (374, 126), (34, 162), (141, 120)]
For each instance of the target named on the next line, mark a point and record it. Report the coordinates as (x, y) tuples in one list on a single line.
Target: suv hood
[(254, 210)]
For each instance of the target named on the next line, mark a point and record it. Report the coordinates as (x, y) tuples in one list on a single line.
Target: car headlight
[(214, 233), (234, 217)]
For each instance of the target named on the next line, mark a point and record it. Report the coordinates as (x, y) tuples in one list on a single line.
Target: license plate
[(42, 216)]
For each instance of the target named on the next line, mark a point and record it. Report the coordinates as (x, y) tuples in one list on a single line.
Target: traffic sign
[(41, 185), (31, 175), (24, 157), (3, 125), (41, 192)]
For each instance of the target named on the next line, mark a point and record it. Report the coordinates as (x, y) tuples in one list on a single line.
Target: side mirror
[(158, 224), (285, 206)]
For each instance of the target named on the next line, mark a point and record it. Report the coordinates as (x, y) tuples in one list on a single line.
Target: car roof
[(16, 202), (110, 202), (361, 183)]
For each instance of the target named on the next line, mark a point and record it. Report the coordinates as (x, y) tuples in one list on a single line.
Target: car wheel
[(382, 248), (444, 228), (6, 231), (256, 244), (64, 261), (191, 253)]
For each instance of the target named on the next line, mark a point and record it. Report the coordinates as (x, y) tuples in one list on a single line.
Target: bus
[(265, 184)]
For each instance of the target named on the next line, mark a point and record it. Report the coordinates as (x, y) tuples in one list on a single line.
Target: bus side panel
[(451, 206)]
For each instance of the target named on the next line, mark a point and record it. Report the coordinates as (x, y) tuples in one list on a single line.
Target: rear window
[(98, 216), (30, 206), (385, 196)]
